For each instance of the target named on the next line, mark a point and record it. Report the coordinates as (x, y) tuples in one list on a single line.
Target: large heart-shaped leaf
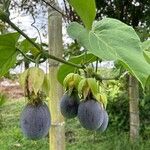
[(146, 50), (8, 51), (86, 10), (110, 39)]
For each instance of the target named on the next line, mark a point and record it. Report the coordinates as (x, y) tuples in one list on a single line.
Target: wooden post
[(134, 108), (56, 134)]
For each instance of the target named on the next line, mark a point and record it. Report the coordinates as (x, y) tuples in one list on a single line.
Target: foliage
[(130, 12), (118, 110), (145, 116), (66, 69), (3, 99), (123, 47), (118, 105), (81, 8), (8, 51), (115, 46), (35, 84)]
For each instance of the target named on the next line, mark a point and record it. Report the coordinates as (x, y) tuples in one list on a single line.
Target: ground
[(11, 88)]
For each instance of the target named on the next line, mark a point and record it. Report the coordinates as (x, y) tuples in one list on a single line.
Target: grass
[(77, 138)]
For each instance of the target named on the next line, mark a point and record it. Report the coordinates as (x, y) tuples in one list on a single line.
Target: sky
[(24, 21)]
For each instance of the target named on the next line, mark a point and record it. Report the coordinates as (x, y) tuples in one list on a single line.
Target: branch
[(22, 33), (47, 3), (30, 59), (47, 55)]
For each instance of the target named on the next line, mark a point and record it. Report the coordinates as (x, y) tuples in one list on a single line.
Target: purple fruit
[(104, 125), (35, 121), (90, 114), (69, 105)]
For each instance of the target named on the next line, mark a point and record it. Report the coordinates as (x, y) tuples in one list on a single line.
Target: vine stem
[(5, 18), (47, 55), (47, 3), (25, 56), (22, 33)]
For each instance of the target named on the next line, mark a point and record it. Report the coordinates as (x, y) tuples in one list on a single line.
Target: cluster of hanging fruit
[(83, 98)]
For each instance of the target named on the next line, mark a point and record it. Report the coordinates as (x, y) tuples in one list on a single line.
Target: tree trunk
[(134, 108), (57, 136)]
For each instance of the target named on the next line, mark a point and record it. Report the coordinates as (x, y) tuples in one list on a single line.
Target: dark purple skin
[(35, 121), (104, 125), (69, 105), (90, 114)]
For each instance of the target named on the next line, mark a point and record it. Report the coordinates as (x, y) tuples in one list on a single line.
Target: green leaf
[(146, 50), (25, 46), (64, 69), (87, 85), (35, 79), (146, 45), (147, 56), (93, 86), (8, 52), (83, 88), (22, 79), (71, 81), (77, 31), (110, 39), (102, 98), (86, 10), (46, 84), (68, 81), (147, 86), (77, 79)]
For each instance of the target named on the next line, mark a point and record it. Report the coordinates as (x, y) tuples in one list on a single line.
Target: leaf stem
[(30, 59), (47, 3), (22, 33)]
